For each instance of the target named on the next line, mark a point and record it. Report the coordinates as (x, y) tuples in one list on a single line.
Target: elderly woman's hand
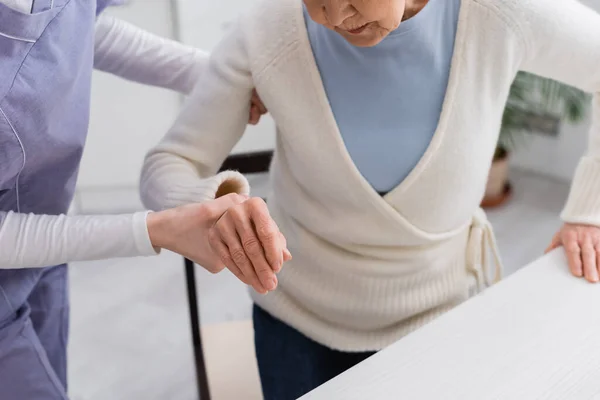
[(249, 243), (582, 245)]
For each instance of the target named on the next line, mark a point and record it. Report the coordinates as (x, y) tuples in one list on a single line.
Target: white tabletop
[(535, 335)]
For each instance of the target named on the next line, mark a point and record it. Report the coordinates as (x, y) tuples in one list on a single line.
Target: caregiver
[(47, 51), (388, 114)]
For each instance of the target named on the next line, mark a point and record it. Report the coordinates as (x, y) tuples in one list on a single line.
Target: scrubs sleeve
[(35, 241), (127, 51)]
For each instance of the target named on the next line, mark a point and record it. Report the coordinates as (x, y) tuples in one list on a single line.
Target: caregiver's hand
[(250, 244), (185, 230), (582, 245), (257, 109)]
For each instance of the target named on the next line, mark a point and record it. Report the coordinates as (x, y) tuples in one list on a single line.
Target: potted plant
[(534, 104)]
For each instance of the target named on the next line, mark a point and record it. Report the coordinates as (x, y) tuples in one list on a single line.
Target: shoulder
[(519, 9), (515, 10), (529, 18), (270, 29), (507, 12)]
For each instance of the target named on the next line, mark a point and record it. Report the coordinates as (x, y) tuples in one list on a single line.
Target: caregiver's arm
[(134, 54), (30, 241), (562, 42)]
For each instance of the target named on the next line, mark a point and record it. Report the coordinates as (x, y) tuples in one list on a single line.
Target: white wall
[(126, 120), (556, 157)]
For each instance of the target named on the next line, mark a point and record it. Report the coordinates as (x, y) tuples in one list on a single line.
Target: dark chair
[(248, 163)]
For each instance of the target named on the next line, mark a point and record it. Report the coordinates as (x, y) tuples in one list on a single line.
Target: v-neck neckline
[(447, 105)]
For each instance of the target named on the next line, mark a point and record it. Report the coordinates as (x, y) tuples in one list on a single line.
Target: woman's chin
[(364, 39)]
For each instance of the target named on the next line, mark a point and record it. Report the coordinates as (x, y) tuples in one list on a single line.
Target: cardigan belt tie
[(481, 243)]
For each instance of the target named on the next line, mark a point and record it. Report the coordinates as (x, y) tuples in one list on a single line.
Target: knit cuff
[(583, 204), (210, 188)]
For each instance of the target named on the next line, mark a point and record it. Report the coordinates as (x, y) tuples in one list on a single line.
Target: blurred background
[(130, 333)]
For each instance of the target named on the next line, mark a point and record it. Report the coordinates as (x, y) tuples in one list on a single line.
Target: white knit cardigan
[(369, 269)]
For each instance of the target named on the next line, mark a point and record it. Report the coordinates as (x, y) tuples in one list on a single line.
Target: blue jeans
[(289, 363)]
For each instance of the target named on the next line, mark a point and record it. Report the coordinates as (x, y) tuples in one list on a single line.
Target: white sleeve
[(181, 168), (562, 40), (32, 241), (127, 51)]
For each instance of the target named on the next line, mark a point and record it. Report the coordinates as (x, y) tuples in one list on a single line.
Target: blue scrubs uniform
[(46, 62)]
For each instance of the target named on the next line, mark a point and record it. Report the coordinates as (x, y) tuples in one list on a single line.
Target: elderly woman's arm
[(562, 42), (181, 168)]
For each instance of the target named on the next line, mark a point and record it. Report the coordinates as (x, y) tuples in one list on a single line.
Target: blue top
[(387, 99)]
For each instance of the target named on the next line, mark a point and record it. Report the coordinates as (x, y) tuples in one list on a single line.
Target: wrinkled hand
[(185, 230), (257, 109), (249, 243), (582, 246)]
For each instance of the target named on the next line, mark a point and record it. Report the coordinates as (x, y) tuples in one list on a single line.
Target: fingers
[(597, 251), (249, 243), (582, 247), (222, 251), (287, 256), (267, 232), (253, 249), (235, 257), (254, 116), (217, 207), (257, 109), (256, 101), (555, 243), (588, 258), (571, 245)]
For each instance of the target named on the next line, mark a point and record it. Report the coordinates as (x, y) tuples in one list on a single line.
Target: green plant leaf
[(532, 94)]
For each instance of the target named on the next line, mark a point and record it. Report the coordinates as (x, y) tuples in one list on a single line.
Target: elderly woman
[(388, 113)]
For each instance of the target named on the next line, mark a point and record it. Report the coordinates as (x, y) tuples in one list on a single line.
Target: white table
[(535, 335)]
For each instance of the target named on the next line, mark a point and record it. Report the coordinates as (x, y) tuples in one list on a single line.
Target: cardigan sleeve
[(181, 168), (562, 42)]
